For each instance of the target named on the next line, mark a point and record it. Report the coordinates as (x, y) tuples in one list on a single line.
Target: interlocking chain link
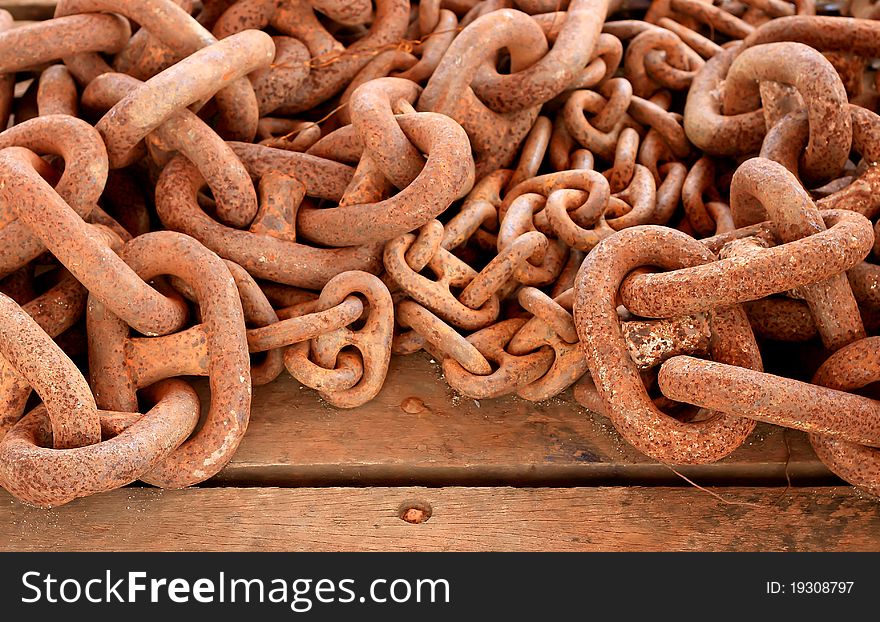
[(546, 198)]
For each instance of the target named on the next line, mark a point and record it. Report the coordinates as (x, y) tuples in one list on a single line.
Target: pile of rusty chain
[(539, 193)]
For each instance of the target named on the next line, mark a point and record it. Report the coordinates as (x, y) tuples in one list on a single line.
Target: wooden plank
[(296, 439), (29, 9), (465, 519)]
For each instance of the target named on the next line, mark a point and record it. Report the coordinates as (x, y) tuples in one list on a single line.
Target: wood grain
[(296, 439), (463, 519)]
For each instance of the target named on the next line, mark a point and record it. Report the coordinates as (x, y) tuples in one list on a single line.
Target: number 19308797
[(810, 587)]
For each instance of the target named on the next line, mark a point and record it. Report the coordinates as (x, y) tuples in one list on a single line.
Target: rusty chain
[(544, 196)]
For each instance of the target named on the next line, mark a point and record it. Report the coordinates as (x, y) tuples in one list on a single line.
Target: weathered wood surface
[(296, 439), (469, 519)]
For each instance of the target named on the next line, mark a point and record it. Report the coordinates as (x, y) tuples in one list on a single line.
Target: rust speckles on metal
[(446, 176), (32, 45), (537, 197), (56, 453), (119, 369), (850, 368), (192, 80), (616, 375), (371, 343)]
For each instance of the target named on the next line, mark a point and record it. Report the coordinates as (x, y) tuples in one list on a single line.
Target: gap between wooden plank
[(521, 475), (467, 519)]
